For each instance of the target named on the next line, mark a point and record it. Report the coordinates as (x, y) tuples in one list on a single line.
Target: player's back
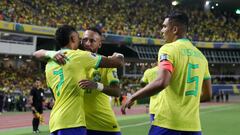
[(181, 98), (63, 80)]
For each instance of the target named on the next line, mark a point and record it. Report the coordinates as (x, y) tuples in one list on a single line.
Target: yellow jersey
[(149, 76), (99, 113), (180, 101), (68, 110)]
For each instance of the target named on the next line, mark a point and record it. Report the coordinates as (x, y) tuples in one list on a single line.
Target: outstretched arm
[(55, 55)]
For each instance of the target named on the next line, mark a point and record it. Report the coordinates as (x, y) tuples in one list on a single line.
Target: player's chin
[(88, 49)]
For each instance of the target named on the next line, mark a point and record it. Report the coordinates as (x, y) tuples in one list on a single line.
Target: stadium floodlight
[(174, 3), (20, 57), (216, 4), (238, 11), (212, 7), (207, 3)]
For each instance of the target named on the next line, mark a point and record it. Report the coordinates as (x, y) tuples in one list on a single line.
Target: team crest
[(96, 76), (163, 57), (94, 54)]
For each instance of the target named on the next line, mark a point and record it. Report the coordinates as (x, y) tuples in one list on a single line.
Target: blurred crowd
[(136, 17), (15, 87)]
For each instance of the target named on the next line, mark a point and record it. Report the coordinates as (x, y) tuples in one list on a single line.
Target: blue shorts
[(155, 130), (152, 117), (94, 132), (71, 131)]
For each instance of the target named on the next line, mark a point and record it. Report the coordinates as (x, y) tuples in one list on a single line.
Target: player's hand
[(87, 84), (128, 105), (33, 109), (60, 58), (118, 55)]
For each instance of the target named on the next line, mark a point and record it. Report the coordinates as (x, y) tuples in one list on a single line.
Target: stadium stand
[(135, 18)]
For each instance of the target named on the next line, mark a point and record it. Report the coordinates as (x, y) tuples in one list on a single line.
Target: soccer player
[(149, 76), (36, 100), (68, 115), (100, 118), (183, 78)]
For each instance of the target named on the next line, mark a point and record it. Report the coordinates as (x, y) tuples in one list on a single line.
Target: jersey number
[(61, 80), (192, 79)]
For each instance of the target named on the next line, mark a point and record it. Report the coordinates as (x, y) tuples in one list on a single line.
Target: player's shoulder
[(168, 46), (148, 71), (78, 51)]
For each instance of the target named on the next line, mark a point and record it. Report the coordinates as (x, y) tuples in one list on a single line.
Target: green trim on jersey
[(114, 82), (207, 78), (98, 62)]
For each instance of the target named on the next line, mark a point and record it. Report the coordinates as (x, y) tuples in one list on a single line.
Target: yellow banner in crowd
[(35, 29), (6, 25)]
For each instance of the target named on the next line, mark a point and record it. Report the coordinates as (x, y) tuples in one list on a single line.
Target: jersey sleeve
[(112, 76), (166, 52), (144, 78), (207, 73)]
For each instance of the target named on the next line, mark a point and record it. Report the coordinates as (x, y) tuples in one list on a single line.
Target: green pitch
[(216, 120)]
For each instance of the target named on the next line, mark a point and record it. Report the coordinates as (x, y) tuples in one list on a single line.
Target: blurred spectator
[(1, 101), (135, 17)]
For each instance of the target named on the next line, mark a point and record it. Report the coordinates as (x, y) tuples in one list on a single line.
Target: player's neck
[(179, 37)]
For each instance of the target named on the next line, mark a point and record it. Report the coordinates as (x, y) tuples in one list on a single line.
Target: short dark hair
[(62, 35), (179, 17), (94, 29)]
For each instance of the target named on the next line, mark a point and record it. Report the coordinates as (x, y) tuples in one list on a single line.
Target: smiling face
[(91, 41)]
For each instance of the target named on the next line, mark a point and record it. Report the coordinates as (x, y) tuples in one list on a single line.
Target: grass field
[(216, 120)]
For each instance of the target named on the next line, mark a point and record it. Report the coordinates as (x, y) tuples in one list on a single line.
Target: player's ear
[(175, 30), (100, 44), (72, 38)]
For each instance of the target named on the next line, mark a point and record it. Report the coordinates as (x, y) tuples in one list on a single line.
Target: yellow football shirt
[(68, 110), (149, 76), (99, 113), (179, 105)]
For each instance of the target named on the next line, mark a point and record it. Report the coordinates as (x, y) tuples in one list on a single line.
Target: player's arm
[(154, 87), (162, 81), (46, 54), (112, 90), (31, 101), (143, 84), (206, 90), (114, 61)]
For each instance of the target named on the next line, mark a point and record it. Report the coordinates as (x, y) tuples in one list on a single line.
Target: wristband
[(100, 86), (50, 54)]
